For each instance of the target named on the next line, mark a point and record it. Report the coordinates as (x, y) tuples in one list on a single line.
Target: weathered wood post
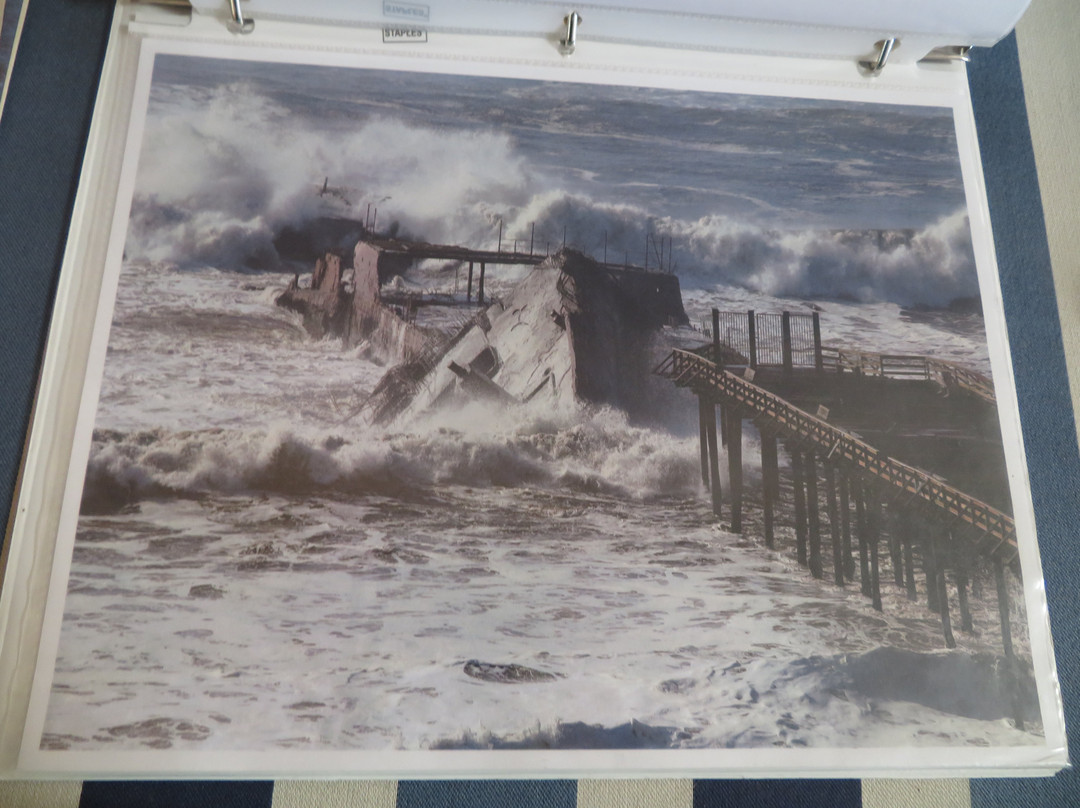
[(1003, 607), (800, 504), (785, 339), (864, 545), (703, 416), (819, 360), (930, 568), (735, 473), (960, 573), (468, 294), (751, 331), (716, 336), (813, 519), (845, 526), (903, 529), (480, 291), (834, 524), (1006, 640), (895, 553), (909, 566), (874, 523), (966, 624), (770, 483), (714, 459), (943, 593)]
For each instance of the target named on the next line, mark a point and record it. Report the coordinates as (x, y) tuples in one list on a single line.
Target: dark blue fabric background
[(1039, 365), (42, 135)]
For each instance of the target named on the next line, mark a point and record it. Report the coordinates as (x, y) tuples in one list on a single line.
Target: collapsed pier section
[(932, 529), (573, 329)]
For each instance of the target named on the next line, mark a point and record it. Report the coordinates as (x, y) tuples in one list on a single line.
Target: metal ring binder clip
[(569, 42), (948, 53), (238, 25), (885, 47)]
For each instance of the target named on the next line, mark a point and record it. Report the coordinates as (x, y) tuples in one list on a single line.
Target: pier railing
[(792, 341), (850, 468), (994, 531), (905, 366)]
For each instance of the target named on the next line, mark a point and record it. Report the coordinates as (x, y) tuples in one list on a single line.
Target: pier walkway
[(406, 251), (995, 531), (928, 523)]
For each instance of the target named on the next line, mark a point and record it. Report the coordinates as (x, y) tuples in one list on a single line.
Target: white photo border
[(616, 65)]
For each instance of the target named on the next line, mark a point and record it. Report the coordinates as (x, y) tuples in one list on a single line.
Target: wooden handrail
[(996, 532), (906, 366)]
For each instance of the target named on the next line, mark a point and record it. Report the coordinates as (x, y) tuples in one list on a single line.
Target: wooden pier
[(848, 495), (401, 252)]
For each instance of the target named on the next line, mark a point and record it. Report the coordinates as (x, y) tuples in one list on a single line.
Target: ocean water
[(258, 568)]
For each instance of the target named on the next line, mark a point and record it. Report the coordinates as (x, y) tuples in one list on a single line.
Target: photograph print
[(457, 412)]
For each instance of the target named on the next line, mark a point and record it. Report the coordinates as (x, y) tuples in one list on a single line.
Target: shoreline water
[(286, 595)]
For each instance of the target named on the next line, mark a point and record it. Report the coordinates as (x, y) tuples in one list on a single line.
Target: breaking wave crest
[(600, 453), (805, 702), (932, 266), (224, 171)]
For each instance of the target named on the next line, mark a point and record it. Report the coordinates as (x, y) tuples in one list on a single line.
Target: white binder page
[(843, 29), (458, 416)]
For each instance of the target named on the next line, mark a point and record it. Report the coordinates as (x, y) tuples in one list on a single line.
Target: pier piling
[(873, 507), (734, 452), (930, 568), (943, 593), (703, 434), (834, 524), (909, 563), (714, 459), (800, 504), (895, 552), (770, 483), (926, 522), (1006, 640), (961, 575), (845, 526), (1003, 608), (813, 519), (864, 546)]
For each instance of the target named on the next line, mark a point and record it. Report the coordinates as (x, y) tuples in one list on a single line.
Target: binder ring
[(569, 42), (238, 25), (885, 47)]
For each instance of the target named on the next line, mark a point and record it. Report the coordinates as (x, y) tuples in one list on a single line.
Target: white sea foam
[(480, 446), (223, 171), (272, 621), (258, 568), (219, 178)]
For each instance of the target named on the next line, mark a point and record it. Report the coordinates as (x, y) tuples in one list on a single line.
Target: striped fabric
[(492, 794), (59, 30)]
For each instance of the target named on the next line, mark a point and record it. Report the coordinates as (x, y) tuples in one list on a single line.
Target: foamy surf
[(653, 628), (256, 567)]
